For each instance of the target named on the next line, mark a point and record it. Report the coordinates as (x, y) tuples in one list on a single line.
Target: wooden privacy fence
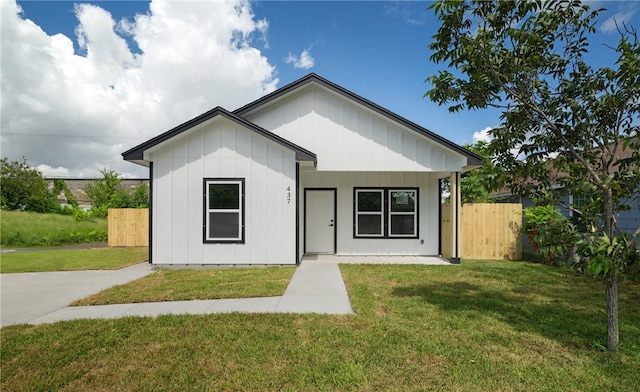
[(487, 231), (128, 226)]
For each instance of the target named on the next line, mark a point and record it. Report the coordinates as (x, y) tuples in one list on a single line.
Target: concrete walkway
[(42, 297), (28, 296), (314, 288)]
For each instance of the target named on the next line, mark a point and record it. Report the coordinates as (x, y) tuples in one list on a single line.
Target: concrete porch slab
[(349, 259)]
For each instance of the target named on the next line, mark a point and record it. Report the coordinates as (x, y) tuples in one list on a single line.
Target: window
[(369, 213), (386, 213), (402, 213), (579, 201), (224, 210)]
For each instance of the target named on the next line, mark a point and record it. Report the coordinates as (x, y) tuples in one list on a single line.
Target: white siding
[(348, 137), (223, 149), (428, 206)]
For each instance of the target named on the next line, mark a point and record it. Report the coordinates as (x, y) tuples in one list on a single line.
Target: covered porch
[(344, 259)]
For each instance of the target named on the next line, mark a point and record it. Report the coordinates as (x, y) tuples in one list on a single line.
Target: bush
[(81, 215), (552, 235)]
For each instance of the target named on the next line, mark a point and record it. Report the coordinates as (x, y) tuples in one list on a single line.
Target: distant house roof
[(136, 153), (472, 159), (620, 153)]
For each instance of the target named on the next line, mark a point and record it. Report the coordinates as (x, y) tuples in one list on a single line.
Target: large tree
[(565, 123), (23, 188)]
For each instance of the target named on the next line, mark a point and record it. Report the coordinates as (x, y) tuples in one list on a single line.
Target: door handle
[(331, 224)]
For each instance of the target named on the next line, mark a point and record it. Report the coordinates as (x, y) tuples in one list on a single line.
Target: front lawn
[(72, 260), (481, 326), (182, 285)]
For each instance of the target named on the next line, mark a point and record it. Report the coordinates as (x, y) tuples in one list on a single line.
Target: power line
[(74, 136)]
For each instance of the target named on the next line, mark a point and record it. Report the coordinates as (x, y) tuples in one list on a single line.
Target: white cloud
[(407, 12), (75, 114), (609, 25), (305, 61), (482, 135), (52, 172)]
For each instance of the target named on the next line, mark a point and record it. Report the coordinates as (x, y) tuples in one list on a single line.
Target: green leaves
[(563, 120), (603, 253), (106, 193), (551, 233), (23, 188)]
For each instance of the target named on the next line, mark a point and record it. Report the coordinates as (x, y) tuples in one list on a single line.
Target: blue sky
[(378, 50)]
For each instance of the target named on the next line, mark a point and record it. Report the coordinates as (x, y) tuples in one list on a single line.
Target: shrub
[(552, 235)]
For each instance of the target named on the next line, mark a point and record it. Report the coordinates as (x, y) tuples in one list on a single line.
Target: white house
[(310, 168)]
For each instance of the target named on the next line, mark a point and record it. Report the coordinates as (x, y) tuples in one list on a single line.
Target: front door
[(320, 224)]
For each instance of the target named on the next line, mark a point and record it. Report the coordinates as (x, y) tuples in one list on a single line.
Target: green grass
[(29, 229), (481, 326), (181, 285), (71, 260)]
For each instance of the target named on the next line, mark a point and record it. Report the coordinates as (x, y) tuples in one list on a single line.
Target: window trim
[(386, 212), (414, 213), (206, 211), (358, 213)]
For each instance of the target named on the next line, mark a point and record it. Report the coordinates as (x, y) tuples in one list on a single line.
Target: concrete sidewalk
[(314, 288), (28, 296)]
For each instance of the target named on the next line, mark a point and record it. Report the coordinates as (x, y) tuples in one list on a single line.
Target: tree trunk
[(611, 293), (611, 279)]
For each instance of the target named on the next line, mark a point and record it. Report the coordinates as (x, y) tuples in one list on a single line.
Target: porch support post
[(456, 203)]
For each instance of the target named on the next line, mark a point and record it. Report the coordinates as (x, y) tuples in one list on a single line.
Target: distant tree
[(107, 192), (527, 58), (140, 197), (477, 184), (101, 190), (23, 188)]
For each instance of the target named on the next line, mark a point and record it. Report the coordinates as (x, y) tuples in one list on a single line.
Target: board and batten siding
[(349, 137), (428, 205), (223, 149)]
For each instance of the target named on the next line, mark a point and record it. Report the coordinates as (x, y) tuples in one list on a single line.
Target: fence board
[(128, 227), (488, 231)]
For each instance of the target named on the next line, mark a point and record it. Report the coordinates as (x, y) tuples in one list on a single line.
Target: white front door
[(320, 215)]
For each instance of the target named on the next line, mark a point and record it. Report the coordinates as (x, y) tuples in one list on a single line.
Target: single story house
[(311, 168)]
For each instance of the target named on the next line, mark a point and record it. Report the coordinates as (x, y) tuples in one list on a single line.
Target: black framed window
[(403, 218), (385, 213), (224, 210), (369, 210)]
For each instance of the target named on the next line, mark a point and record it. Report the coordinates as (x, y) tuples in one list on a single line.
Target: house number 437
[(288, 193)]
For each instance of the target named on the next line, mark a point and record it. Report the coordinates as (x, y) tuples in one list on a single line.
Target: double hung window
[(386, 213), (224, 210), (369, 220)]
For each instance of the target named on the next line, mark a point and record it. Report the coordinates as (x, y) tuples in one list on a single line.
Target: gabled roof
[(136, 154), (472, 159)]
